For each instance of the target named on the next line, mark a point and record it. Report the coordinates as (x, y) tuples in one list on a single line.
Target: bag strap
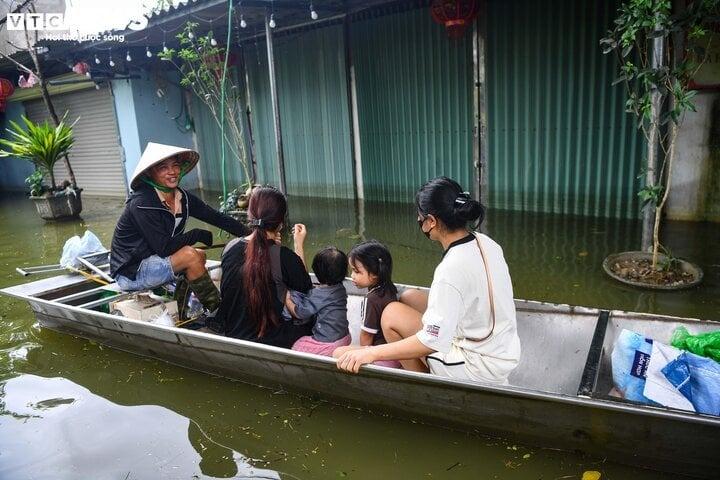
[(490, 292)]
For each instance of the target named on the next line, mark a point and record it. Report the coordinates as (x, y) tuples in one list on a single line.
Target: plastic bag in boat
[(704, 344), (698, 379), (630, 361), (77, 247), (163, 319), (657, 386)]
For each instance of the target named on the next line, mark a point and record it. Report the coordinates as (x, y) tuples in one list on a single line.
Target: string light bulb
[(272, 20), (128, 58), (213, 42), (148, 53), (313, 13), (111, 63), (191, 35), (165, 49), (243, 23), (97, 60)]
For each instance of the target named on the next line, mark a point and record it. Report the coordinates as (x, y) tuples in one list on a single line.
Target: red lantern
[(81, 68), (456, 15), (6, 89)]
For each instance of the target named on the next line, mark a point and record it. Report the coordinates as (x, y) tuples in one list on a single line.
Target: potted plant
[(44, 145), (659, 51)]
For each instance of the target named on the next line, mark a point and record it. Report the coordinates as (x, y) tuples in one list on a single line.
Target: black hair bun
[(469, 210)]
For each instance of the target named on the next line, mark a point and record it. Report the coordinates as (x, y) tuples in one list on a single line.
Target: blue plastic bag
[(630, 360), (698, 379)]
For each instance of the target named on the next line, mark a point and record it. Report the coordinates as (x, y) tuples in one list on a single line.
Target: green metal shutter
[(96, 156), (414, 93), (559, 139), (314, 116)]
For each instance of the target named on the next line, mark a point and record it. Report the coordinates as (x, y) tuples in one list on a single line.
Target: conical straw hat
[(157, 152)]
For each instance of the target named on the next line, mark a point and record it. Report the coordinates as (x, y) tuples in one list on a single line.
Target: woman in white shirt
[(466, 327)]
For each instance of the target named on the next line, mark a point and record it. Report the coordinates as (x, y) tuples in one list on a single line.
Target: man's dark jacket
[(147, 228)]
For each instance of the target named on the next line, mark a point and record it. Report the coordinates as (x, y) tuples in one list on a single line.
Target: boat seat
[(589, 379)]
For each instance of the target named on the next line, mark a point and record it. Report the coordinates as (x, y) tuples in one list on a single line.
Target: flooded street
[(71, 408)]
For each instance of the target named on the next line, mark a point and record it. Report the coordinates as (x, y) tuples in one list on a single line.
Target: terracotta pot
[(58, 207), (685, 266)]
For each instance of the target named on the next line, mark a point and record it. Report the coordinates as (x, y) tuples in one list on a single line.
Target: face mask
[(420, 224)]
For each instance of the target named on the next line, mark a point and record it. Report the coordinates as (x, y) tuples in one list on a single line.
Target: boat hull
[(649, 437)]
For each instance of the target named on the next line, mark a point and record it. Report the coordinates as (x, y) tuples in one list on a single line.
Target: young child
[(327, 303), (371, 266)]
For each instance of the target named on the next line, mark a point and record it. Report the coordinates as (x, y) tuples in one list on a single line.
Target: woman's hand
[(299, 233), (352, 360)]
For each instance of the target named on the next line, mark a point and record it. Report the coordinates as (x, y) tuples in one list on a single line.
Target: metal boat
[(557, 397)]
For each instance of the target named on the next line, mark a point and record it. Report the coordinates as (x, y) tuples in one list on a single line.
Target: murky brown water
[(73, 409)]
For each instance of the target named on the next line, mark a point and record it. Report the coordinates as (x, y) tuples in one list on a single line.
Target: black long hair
[(444, 198), (266, 211), (376, 259)]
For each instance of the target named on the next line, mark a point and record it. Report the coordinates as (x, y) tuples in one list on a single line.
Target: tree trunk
[(49, 104), (661, 205)]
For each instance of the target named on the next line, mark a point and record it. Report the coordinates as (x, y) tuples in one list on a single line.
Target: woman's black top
[(288, 272)]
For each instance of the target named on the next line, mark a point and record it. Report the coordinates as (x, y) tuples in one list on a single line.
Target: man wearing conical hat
[(150, 246)]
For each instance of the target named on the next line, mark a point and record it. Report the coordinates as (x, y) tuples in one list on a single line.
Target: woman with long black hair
[(466, 327), (257, 273)]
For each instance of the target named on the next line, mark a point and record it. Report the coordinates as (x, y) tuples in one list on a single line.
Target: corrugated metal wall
[(414, 92), (208, 141), (315, 122), (559, 139)]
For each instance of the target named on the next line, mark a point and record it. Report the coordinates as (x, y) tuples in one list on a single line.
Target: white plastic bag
[(163, 319), (77, 247)]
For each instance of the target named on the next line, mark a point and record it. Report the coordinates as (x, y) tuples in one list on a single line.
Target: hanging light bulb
[(165, 49), (213, 42), (191, 35), (243, 23), (111, 63), (128, 58), (272, 20), (97, 60), (313, 13), (148, 53)]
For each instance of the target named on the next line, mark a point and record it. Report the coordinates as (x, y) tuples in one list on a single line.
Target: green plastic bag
[(704, 344)]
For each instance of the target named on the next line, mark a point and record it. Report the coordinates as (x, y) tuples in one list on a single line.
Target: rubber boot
[(181, 296), (208, 294)]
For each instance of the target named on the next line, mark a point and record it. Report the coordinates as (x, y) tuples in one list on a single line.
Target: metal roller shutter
[(96, 157)]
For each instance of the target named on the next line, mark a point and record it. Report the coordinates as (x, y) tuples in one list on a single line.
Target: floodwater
[(70, 408)]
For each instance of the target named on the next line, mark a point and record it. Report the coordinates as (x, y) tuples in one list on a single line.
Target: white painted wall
[(697, 170)]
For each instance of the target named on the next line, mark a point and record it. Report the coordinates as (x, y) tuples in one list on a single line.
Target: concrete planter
[(59, 207), (685, 266)]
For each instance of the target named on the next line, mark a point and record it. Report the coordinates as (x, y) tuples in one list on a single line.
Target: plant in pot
[(206, 70), (44, 145), (659, 50)]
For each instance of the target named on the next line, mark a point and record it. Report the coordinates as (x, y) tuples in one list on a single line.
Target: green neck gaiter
[(162, 188)]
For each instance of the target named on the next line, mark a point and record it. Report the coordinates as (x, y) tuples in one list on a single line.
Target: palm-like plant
[(39, 143)]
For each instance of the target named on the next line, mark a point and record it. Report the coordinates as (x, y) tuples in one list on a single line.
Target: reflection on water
[(75, 409), (82, 435)]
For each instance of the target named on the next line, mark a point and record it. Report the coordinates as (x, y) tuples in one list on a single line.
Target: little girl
[(326, 304), (371, 266)]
